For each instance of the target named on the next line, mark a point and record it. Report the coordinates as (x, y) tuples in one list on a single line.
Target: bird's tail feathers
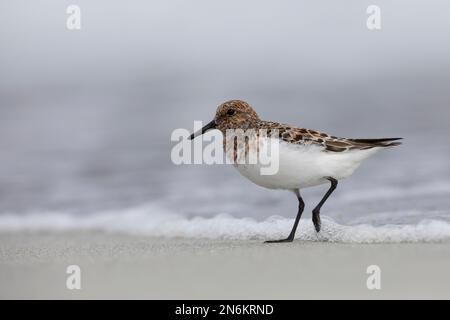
[(382, 142)]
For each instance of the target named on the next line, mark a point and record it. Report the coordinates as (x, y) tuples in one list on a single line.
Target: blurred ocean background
[(86, 116)]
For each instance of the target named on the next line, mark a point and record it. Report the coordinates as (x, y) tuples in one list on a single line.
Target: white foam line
[(151, 221)]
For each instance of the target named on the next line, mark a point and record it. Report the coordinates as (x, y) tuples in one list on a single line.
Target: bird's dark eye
[(230, 112)]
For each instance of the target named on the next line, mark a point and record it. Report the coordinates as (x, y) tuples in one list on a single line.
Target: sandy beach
[(33, 266)]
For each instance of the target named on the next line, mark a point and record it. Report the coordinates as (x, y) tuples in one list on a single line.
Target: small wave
[(157, 222)]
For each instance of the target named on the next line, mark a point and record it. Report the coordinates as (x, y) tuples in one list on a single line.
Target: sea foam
[(157, 222)]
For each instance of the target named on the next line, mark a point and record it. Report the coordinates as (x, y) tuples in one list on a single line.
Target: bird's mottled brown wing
[(329, 143)]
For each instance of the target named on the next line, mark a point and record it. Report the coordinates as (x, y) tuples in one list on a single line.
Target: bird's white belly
[(304, 166)]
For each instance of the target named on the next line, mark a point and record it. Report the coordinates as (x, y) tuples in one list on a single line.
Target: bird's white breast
[(301, 166)]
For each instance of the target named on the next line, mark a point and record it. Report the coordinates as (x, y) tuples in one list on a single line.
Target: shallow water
[(61, 161), (81, 135)]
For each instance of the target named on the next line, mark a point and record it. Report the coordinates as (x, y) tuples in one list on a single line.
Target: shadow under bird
[(306, 157)]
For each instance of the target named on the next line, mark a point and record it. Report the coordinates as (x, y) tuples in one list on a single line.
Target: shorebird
[(306, 157)]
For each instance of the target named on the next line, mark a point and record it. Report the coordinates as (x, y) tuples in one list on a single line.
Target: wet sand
[(33, 265)]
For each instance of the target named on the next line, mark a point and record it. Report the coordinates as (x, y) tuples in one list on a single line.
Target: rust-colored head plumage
[(235, 114)]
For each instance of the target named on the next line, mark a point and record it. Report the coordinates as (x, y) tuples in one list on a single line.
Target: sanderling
[(306, 157)]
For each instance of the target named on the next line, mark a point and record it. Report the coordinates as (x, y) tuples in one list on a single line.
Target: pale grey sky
[(284, 39)]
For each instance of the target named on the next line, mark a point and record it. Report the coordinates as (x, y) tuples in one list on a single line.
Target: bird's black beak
[(209, 126)]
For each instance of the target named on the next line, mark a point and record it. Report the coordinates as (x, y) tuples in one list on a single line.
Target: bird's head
[(233, 114)]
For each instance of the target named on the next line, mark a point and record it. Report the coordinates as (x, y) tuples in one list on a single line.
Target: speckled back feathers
[(237, 114)]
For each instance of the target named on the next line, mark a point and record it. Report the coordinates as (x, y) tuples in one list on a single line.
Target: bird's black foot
[(316, 221), (289, 239)]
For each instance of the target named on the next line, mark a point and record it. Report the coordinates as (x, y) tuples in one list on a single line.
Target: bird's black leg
[(316, 211), (301, 206)]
